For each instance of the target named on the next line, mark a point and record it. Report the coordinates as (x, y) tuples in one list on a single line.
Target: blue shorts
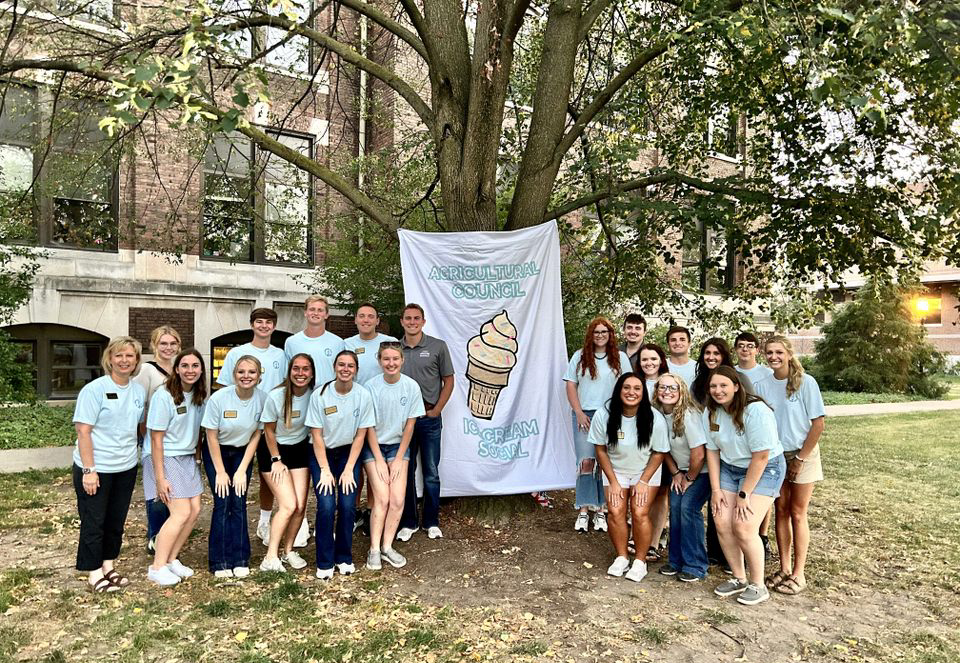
[(731, 477), (389, 452)]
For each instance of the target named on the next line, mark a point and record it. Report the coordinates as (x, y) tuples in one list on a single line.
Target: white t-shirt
[(150, 378), (693, 436), (795, 414), (686, 371), (273, 412), (340, 416), (233, 419), (393, 405), (628, 457), (736, 447), (594, 393), (114, 411), (323, 349), (273, 365), (180, 423), (366, 355)]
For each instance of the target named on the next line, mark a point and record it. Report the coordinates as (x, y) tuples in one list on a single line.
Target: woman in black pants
[(108, 413)]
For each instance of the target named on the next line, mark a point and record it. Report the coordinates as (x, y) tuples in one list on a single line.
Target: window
[(74, 365), (64, 194), (709, 263), (284, 51), (63, 358), (256, 206)]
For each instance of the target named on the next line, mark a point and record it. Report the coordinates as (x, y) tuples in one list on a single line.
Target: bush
[(31, 426), (16, 378), (874, 345)]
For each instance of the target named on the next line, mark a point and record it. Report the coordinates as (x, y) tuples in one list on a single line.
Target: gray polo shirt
[(427, 362), (634, 359)]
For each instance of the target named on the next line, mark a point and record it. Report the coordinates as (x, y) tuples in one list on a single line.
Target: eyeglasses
[(746, 346), (669, 388), (394, 345), (604, 332)]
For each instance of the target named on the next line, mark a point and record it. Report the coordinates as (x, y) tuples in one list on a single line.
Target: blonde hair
[(795, 370), (684, 403), (163, 330), (316, 298), (253, 360), (116, 343)]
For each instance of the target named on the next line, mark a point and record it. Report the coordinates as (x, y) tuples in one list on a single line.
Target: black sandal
[(116, 579), (103, 586), (653, 555)]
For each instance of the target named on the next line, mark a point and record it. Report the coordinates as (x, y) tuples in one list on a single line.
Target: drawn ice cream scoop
[(491, 355)]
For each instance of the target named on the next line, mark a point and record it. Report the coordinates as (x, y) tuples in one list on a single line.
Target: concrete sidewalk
[(889, 408), (44, 458)]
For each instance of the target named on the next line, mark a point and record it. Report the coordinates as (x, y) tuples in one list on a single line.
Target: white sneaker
[(374, 560), (638, 571), (582, 523), (600, 521), (619, 567), (405, 534), (163, 577), (434, 533), (345, 569), (241, 571), (223, 573), (263, 531), (181, 570), (272, 564), (324, 574), (302, 538), (394, 559), (294, 559)]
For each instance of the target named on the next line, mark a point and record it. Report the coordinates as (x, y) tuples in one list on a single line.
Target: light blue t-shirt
[(393, 405), (594, 394), (340, 417), (794, 414), (735, 447), (273, 412), (232, 418), (627, 457), (323, 349), (757, 373), (114, 412), (180, 423), (366, 355), (651, 385), (686, 371), (273, 365), (693, 436)]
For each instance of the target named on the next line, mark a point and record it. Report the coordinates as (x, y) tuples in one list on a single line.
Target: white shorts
[(631, 480)]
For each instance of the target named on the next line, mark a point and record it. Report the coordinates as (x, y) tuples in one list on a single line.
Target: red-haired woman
[(591, 375)]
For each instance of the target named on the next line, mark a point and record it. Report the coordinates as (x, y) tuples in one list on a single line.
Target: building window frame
[(715, 272)]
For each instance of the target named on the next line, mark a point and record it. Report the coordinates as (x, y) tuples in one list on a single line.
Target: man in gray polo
[(426, 360)]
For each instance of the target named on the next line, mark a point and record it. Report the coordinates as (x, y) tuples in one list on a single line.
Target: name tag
[(112, 397), (182, 409), (229, 414), (424, 353), (620, 435), (330, 410), (294, 414), (359, 351), (714, 428)]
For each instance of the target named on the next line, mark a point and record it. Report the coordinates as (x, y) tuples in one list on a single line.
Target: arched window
[(64, 358)]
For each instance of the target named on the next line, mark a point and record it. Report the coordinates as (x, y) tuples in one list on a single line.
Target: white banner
[(494, 298)]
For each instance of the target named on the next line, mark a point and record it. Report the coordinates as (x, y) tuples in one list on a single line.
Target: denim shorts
[(389, 452), (731, 477)]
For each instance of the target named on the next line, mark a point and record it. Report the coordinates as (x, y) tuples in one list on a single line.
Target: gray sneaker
[(394, 559), (753, 595), (731, 587), (373, 560)]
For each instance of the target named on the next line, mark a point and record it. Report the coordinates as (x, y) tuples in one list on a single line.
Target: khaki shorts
[(811, 470)]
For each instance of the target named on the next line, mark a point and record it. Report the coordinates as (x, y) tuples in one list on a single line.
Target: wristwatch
[(742, 495), (275, 459), (90, 470)]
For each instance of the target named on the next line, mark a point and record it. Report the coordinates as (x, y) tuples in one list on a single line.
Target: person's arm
[(717, 500), (327, 483), (758, 462), (347, 482), (698, 457), (91, 481), (653, 464), (240, 476), (222, 480), (603, 460), (277, 469), (583, 421), (395, 473), (809, 444), (446, 388), (156, 456)]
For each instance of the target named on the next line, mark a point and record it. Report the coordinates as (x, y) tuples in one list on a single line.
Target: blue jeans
[(334, 549), (688, 550), (157, 514), (426, 441), (589, 484), (229, 538)]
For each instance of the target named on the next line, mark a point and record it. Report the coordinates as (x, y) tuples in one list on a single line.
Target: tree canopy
[(754, 147)]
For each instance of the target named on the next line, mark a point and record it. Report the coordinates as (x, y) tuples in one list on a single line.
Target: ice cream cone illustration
[(491, 355)]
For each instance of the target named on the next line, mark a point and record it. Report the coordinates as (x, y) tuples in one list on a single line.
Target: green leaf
[(241, 98)]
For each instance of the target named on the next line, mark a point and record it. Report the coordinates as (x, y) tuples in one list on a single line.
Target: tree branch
[(590, 16), (387, 23)]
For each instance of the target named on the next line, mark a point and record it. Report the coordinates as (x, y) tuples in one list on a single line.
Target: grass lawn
[(884, 574), (31, 426)]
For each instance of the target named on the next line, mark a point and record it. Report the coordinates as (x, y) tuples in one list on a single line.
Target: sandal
[(653, 555), (115, 579), (775, 579), (791, 586), (543, 500), (102, 586)]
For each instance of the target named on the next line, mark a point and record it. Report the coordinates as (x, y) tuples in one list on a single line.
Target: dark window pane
[(84, 224), (18, 119), (74, 365)]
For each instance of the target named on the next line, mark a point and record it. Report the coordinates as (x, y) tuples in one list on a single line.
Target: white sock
[(265, 516)]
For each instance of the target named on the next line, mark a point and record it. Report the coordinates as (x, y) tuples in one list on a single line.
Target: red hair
[(588, 362)]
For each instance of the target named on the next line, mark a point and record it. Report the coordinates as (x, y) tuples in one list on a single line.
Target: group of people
[(311, 414), (657, 432)]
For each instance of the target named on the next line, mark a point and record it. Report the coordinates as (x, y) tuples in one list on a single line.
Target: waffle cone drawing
[(491, 356)]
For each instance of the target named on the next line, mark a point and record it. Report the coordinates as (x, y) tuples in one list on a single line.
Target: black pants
[(102, 516)]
